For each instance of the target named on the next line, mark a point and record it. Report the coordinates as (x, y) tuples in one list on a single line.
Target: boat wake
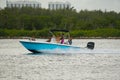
[(82, 51)]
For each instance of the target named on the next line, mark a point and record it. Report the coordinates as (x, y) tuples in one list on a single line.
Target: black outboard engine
[(90, 45)]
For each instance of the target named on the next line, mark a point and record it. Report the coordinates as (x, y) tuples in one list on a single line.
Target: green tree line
[(44, 33), (28, 18)]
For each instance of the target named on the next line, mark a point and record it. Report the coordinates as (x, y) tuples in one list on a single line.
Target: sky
[(109, 5)]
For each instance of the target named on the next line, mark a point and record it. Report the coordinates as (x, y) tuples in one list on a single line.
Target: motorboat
[(36, 46)]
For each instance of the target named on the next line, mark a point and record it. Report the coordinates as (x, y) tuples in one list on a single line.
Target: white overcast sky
[(109, 5)]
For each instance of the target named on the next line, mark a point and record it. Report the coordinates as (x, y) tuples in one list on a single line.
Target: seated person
[(62, 39), (70, 41), (58, 39), (53, 39)]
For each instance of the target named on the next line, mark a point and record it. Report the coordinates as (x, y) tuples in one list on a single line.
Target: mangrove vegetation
[(27, 21)]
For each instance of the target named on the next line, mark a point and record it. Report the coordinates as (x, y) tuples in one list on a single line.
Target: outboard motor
[(90, 45)]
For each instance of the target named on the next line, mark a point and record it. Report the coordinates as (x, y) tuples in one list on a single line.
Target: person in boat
[(62, 39), (70, 41), (53, 39), (58, 39)]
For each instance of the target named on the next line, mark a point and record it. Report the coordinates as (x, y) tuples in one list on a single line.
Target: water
[(102, 63)]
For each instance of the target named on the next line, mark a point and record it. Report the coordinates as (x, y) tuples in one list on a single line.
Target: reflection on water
[(102, 63)]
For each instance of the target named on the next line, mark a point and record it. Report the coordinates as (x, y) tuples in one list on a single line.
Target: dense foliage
[(44, 33), (30, 18), (26, 19)]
